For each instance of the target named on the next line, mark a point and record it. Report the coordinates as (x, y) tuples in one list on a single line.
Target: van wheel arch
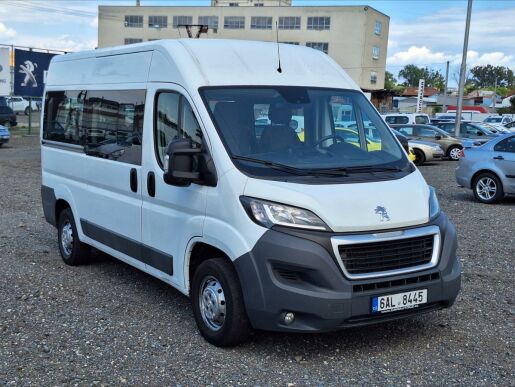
[(201, 252), (60, 206)]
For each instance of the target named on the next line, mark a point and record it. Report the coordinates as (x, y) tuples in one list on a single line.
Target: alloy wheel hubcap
[(212, 303), (67, 238), (486, 188), (455, 154)]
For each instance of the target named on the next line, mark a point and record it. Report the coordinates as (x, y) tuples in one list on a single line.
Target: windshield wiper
[(293, 170), (372, 168)]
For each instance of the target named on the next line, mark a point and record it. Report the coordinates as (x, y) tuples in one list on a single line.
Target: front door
[(171, 215)]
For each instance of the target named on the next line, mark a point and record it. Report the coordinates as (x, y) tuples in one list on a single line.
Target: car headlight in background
[(434, 206), (268, 214)]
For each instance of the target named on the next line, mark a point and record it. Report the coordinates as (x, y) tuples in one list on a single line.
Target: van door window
[(113, 124), (174, 119), (421, 120)]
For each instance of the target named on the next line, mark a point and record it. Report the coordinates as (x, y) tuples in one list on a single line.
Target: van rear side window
[(109, 124)]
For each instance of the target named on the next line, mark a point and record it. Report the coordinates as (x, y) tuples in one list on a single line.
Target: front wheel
[(217, 302), (488, 188), (454, 153), (420, 157)]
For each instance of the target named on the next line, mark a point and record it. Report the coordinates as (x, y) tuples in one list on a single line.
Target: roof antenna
[(279, 69)]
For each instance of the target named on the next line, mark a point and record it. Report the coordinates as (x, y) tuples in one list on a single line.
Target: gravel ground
[(109, 324)]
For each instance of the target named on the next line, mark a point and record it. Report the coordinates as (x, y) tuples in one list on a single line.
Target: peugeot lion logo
[(383, 214), (28, 68)]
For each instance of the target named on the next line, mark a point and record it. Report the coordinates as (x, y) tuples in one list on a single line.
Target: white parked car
[(500, 120), (21, 105), (201, 181), (406, 118)]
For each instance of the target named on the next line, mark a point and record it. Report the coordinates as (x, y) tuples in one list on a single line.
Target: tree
[(390, 82), (412, 73), (485, 76)]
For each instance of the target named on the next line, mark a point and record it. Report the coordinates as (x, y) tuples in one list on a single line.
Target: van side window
[(174, 119), (63, 116), (113, 122)]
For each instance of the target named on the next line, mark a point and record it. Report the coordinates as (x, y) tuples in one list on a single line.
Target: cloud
[(63, 42), (6, 32), (491, 37)]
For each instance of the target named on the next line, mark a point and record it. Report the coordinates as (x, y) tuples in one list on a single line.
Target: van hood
[(353, 207)]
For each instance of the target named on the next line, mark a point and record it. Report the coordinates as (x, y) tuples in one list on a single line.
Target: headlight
[(434, 206), (267, 214)]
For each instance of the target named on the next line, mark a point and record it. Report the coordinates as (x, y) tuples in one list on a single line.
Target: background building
[(355, 36)]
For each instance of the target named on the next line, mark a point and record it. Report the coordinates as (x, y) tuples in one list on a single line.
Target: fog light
[(288, 318)]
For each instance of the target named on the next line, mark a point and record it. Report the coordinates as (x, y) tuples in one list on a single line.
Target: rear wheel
[(488, 188), (454, 152), (72, 250), (420, 157), (218, 305)]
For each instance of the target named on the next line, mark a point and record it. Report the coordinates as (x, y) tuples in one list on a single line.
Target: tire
[(488, 188), (220, 315), (453, 152), (73, 252), (420, 157)]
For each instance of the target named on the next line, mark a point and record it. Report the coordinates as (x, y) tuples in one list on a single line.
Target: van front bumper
[(292, 271)]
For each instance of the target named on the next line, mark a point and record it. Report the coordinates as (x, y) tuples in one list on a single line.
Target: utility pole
[(444, 105), (495, 94), (138, 3), (463, 69)]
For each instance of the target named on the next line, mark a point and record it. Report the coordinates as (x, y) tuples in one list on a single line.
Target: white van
[(152, 153), (406, 118)]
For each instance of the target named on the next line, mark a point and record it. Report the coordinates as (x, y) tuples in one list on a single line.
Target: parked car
[(406, 118), (502, 120), (270, 233), (511, 126), (426, 151), (21, 105), (468, 130), (496, 128), (7, 116), (450, 145), (489, 170), (5, 135), (3, 101)]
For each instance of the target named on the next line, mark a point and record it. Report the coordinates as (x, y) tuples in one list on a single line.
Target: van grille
[(363, 258)]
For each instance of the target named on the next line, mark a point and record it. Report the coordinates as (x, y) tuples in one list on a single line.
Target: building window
[(375, 52), (258, 4), (294, 43), (319, 46), (261, 23), (378, 27), (289, 22), (234, 22), (373, 77), (134, 21), (132, 40), (319, 23), (158, 21), (152, 40), (234, 5), (210, 21), (182, 20)]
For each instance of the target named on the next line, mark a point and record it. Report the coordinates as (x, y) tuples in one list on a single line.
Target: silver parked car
[(489, 170), (426, 151)]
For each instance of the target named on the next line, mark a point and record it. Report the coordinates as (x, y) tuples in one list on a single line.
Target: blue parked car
[(5, 135)]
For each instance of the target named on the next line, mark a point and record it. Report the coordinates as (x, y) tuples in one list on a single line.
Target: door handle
[(134, 180), (499, 157), (151, 184)]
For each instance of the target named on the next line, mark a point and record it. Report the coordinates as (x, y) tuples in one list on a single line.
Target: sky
[(422, 32)]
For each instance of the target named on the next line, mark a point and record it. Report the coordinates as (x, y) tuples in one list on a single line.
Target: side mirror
[(438, 137), (181, 163)]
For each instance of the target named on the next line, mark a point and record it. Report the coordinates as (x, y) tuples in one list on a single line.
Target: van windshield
[(303, 131)]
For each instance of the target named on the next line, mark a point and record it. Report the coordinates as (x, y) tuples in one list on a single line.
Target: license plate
[(399, 301)]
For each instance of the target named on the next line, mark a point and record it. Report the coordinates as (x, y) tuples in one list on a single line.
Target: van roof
[(200, 62)]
